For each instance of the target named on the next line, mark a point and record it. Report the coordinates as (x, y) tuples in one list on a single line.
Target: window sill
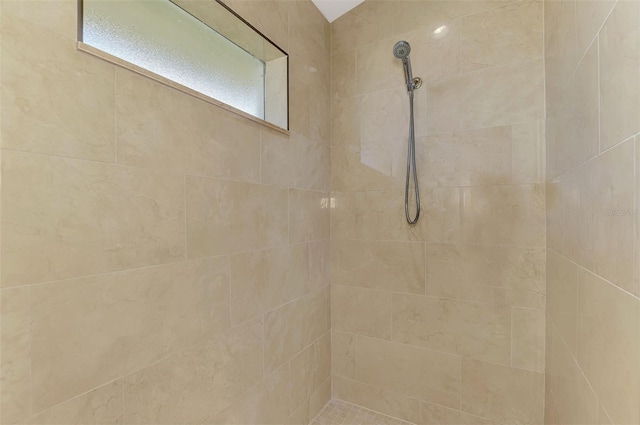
[(160, 79)]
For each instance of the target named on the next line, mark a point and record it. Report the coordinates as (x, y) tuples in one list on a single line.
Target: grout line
[(593, 158), (260, 136), (30, 404), (170, 172), (575, 360), (433, 188), (597, 33), (186, 221), (328, 412), (264, 346), (511, 336), (289, 215), (580, 266), (115, 115), (422, 348), (149, 266), (597, 41), (636, 223), (123, 404), (435, 243), (425, 268)]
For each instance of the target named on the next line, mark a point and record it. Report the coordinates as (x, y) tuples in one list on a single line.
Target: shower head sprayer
[(401, 50)]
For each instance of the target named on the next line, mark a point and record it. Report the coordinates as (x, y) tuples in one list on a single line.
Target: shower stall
[(459, 248)]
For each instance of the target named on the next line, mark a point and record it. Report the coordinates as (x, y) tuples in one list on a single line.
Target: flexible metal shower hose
[(411, 163)]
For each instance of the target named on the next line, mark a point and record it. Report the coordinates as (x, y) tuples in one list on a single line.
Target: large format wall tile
[(361, 311), (225, 217), (365, 24), (376, 69), (264, 280), (425, 374), (590, 15), (161, 128), (562, 298), (527, 338), (142, 315), (368, 166), (345, 121), (60, 18), (411, 15), (294, 326), (493, 215), (499, 36), (100, 406), (383, 401), (319, 264), (473, 272), (453, 326), (495, 155), (309, 370), (308, 216), (503, 214), (501, 393), (269, 17), (572, 135), (393, 266), (320, 397), (373, 215), (384, 114), (609, 345), (15, 354), (55, 99), (343, 353), (426, 45), (512, 215), (571, 395), (432, 414), (620, 74), (614, 215), (299, 111), (575, 193), (320, 125), (343, 76), (65, 218), (561, 48), (294, 161), (554, 204), (598, 211), (190, 387), (265, 403), (507, 94)]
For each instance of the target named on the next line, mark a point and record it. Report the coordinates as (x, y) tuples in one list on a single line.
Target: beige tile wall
[(592, 57), (442, 322), (164, 260)]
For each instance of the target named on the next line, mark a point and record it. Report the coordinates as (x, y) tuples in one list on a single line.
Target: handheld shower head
[(401, 50)]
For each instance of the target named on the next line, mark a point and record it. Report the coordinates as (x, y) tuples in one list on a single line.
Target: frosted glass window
[(160, 36)]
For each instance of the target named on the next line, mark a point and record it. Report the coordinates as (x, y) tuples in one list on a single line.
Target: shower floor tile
[(338, 412)]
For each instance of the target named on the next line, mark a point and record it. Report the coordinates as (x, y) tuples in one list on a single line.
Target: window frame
[(87, 48)]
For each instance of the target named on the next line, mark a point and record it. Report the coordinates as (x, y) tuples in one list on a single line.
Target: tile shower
[(165, 261)]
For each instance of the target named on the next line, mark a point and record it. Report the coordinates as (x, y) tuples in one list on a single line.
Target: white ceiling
[(333, 9)]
